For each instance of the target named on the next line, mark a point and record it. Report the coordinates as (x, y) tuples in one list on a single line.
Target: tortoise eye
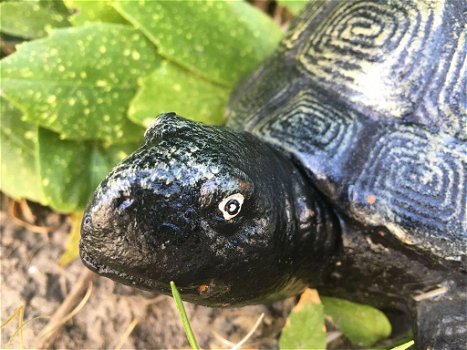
[(231, 206)]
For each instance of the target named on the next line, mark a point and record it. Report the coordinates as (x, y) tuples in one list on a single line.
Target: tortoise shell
[(369, 97)]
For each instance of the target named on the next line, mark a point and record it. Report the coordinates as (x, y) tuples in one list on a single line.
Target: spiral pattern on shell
[(376, 55), (416, 180), (263, 91), (300, 24), (445, 103), (330, 128)]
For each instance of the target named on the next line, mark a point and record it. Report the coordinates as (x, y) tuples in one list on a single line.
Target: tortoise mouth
[(202, 294), (117, 275)]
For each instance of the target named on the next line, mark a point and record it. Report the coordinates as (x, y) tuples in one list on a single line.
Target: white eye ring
[(234, 207)]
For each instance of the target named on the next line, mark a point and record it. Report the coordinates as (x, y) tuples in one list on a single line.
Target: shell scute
[(414, 181)]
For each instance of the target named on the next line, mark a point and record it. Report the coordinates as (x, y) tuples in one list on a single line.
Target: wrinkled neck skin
[(307, 221), (372, 267), (315, 235)]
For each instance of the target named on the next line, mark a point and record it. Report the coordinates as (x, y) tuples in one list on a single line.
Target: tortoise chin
[(200, 212)]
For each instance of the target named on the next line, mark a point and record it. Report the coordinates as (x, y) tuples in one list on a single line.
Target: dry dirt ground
[(31, 276)]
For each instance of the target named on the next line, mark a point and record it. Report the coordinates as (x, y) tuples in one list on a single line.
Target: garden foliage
[(76, 100)]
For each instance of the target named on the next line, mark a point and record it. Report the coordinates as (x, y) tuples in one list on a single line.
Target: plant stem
[(185, 322)]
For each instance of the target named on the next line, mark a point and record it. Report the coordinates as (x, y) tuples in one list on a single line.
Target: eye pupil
[(232, 207)]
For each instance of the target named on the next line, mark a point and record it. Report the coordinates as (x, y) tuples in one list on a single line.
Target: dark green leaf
[(218, 40), (85, 11), (19, 176), (71, 170), (31, 19), (305, 326), (79, 81), (362, 324), (171, 88), (55, 5)]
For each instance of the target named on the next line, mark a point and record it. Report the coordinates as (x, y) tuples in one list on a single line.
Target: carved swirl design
[(261, 92), (302, 23), (445, 103), (309, 126), (377, 55), (417, 181)]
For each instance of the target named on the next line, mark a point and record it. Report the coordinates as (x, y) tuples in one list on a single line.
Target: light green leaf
[(362, 324), (404, 346), (79, 82), (70, 170), (172, 88), (295, 6), (19, 176), (31, 19), (305, 326), (71, 252), (218, 40), (85, 11)]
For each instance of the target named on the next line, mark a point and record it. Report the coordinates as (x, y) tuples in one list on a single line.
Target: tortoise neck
[(313, 231)]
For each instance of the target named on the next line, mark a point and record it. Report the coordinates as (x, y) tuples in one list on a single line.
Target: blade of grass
[(20, 329), (67, 310), (20, 313), (242, 342), (183, 316), (126, 333), (404, 346)]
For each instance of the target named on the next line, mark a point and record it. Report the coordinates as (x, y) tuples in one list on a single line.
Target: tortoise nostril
[(122, 203), (86, 225), (125, 204), (87, 220)]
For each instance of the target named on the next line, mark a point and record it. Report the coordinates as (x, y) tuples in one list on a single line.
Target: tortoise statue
[(343, 166)]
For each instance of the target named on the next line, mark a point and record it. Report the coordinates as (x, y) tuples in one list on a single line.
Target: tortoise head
[(206, 207)]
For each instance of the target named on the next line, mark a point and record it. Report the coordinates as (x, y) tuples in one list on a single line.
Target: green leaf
[(172, 88), (71, 170), (19, 176), (31, 19), (85, 11), (305, 326), (362, 324), (218, 40), (184, 317), (295, 6), (72, 245), (79, 82)]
